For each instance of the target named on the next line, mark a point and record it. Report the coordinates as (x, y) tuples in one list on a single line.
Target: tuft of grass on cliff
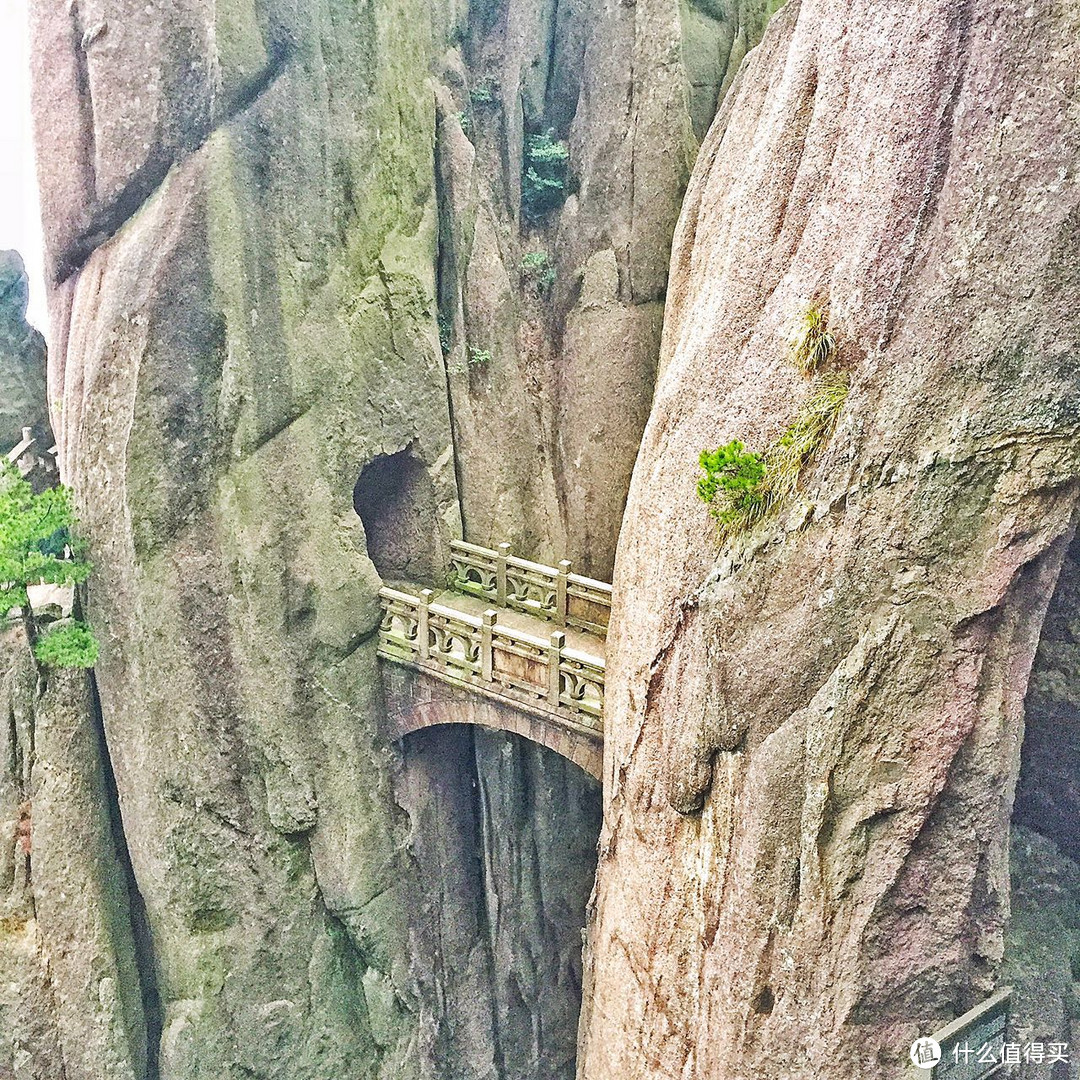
[(742, 487)]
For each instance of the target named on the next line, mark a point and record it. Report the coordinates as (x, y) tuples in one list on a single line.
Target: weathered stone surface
[(256, 213), (122, 94), (22, 361), (73, 994), (813, 733), (256, 331), (716, 35), (245, 247), (1042, 948)]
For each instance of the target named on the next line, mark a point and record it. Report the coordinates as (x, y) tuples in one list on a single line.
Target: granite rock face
[(23, 402), (260, 218), (566, 306), (216, 418), (72, 1004), (813, 729)]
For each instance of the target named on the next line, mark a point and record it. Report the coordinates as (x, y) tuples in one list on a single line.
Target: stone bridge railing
[(544, 676), (547, 592), (20, 448)]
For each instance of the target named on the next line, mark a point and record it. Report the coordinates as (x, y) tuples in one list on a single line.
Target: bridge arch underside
[(416, 700)]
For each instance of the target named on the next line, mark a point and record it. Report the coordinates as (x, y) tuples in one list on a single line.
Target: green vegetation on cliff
[(741, 487), (543, 181), (36, 546), (813, 345), (537, 271), (731, 486), (70, 645)]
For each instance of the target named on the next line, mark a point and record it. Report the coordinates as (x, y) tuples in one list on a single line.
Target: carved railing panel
[(473, 570), (582, 683), (548, 592), (398, 631), (454, 641), (478, 652)]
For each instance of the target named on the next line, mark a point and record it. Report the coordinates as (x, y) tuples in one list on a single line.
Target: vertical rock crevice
[(141, 938)]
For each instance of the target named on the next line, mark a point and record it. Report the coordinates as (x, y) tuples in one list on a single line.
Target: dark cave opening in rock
[(395, 500), (504, 833), (1042, 944)]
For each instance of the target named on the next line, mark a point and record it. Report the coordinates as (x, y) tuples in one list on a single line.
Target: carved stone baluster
[(487, 650), (500, 574), (422, 637), (558, 641), (560, 592)]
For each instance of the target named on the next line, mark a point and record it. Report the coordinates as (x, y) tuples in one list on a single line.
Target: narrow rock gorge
[(306, 328), (335, 287)]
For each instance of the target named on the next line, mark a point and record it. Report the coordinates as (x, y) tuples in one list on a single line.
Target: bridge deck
[(580, 640)]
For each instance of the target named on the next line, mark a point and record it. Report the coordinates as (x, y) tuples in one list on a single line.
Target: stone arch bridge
[(511, 644)]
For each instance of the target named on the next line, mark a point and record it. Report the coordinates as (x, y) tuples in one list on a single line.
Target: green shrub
[(537, 269), (741, 487), (475, 360), (535, 261), (71, 645), (35, 533), (732, 484), (543, 180), (465, 120), (37, 544), (483, 93)]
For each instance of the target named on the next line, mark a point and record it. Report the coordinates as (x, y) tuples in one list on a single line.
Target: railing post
[(500, 574), (560, 592), (422, 636), (487, 650), (558, 640)]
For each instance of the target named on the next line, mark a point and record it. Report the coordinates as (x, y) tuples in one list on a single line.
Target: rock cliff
[(298, 346), (333, 284), (23, 402), (72, 1004), (814, 727)]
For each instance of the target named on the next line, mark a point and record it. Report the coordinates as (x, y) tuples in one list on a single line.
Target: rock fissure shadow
[(504, 836), (149, 990), (395, 500), (1042, 941)]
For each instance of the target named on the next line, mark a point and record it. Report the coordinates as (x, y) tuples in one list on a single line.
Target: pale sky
[(20, 223)]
